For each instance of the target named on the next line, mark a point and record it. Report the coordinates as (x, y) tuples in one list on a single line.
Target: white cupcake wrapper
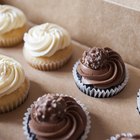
[(138, 101), (94, 92), (129, 135), (31, 136)]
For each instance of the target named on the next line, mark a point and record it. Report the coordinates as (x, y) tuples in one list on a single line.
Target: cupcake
[(47, 46), (12, 26), (55, 117), (125, 136), (100, 73), (14, 85), (138, 101)]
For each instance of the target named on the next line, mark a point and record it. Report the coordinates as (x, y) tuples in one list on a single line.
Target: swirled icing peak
[(11, 75), (10, 18), (57, 117), (101, 67), (46, 39)]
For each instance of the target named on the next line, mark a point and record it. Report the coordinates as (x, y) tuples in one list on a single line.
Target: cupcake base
[(13, 100), (13, 37), (31, 136), (95, 92), (49, 63)]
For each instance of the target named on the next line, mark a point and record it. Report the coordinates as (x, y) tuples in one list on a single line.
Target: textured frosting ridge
[(46, 39), (102, 68), (57, 117), (10, 18), (11, 75)]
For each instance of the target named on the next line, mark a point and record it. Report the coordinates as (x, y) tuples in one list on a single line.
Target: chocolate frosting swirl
[(103, 68), (56, 117), (135, 137)]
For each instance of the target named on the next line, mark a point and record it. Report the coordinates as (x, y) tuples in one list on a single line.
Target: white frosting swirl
[(10, 18), (11, 75), (46, 39)]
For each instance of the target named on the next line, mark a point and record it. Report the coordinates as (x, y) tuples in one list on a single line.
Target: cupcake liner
[(5, 43), (30, 136), (12, 40), (95, 92), (47, 65), (12, 106), (129, 135), (138, 101)]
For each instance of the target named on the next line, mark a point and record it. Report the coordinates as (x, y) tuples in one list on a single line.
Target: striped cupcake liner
[(95, 92), (128, 135), (10, 42), (46, 66), (138, 101)]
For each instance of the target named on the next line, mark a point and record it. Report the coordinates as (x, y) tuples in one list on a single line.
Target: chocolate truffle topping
[(56, 117), (95, 58), (49, 109), (101, 67)]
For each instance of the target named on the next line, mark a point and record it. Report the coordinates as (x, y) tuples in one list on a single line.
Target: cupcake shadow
[(132, 86), (99, 131)]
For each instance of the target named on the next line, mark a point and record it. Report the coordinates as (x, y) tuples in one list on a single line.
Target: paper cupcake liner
[(129, 135), (12, 106), (9, 42), (49, 66), (95, 92), (45, 65), (138, 101), (30, 136)]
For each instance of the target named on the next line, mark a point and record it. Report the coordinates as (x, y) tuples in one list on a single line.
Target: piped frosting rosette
[(11, 75), (100, 72), (54, 117), (45, 40), (10, 18)]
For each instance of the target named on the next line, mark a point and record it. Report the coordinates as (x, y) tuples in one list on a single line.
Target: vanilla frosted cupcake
[(14, 85), (47, 46), (100, 73), (56, 117), (12, 25)]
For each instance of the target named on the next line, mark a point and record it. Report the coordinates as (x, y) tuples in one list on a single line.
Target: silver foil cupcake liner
[(30, 136), (95, 92), (128, 135), (138, 101)]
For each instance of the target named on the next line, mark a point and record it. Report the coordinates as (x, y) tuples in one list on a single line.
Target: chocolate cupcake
[(138, 101), (100, 73), (125, 136), (56, 117)]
